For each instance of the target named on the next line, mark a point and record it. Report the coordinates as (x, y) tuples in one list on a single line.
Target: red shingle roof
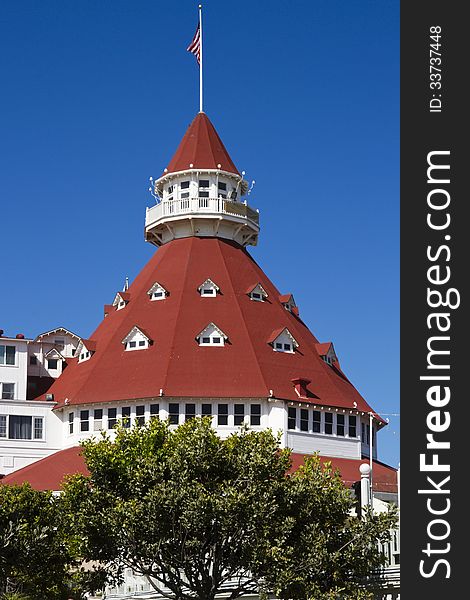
[(49, 473), (202, 148), (246, 368)]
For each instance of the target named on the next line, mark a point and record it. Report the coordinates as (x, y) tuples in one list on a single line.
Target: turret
[(201, 193)]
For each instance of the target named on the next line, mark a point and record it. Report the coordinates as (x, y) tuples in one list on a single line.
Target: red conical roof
[(245, 367), (202, 148)]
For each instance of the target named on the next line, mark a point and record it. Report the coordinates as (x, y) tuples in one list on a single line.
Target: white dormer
[(157, 292), (283, 341), (211, 336), (288, 302), (327, 352), (136, 339), (121, 299), (257, 293), (54, 362), (85, 350), (208, 289)]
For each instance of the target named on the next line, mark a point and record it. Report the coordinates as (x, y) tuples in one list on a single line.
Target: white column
[(364, 469)]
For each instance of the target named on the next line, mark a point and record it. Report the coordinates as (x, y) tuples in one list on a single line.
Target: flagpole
[(200, 64)]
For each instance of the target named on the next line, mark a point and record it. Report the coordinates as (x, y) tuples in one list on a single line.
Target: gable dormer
[(54, 362), (157, 292), (327, 352), (121, 300), (283, 341), (85, 350), (257, 293), (208, 289), (136, 339), (288, 302), (211, 336)]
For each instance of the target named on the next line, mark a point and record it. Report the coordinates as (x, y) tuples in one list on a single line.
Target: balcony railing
[(198, 206)]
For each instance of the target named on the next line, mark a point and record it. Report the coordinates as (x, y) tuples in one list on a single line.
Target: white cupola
[(201, 193)]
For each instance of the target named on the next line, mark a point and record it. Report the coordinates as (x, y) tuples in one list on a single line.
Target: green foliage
[(193, 512), (35, 560)]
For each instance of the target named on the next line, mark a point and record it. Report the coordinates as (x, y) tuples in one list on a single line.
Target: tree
[(35, 560), (196, 514)]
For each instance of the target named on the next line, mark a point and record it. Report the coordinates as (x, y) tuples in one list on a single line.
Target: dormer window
[(288, 302), (54, 360), (121, 299), (208, 289), (157, 292), (257, 293), (136, 339), (211, 336), (283, 341), (327, 353), (85, 350)]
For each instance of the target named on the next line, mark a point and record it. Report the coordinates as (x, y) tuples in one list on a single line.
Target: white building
[(29, 428)]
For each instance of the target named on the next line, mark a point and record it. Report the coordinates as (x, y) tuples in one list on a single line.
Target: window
[(222, 189), (174, 413), (126, 416), (19, 427), (340, 425), (3, 426), (352, 426), (255, 415), (374, 437), (283, 341), (211, 336), (368, 434), (184, 195), (8, 391), (38, 428), (33, 360), (303, 419), (154, 411), (363, 433), (157, 295), (112, 417), (189, 412), (140, 415), (84, 420), (52, 363), (316, 421), (97, 419), (59, 343), (328, 423), (7, 355), (206, 410), (239, 414), (208, 292), (71, 417), (258, 293), (291, 417), (203, 188), (184, 185), (222, 414)]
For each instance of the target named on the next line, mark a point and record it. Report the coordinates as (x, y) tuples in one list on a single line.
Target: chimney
[(20, 336), (300, 384), (1, 332)]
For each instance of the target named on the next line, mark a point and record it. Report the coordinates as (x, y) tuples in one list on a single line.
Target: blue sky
[(305, 95)]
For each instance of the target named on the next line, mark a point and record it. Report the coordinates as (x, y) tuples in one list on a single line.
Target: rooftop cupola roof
[(201, 193), (201, 148)]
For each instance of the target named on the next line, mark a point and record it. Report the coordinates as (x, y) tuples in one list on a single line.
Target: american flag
[(195, 46)]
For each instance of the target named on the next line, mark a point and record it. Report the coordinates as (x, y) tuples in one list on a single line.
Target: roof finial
[(126, 285)]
